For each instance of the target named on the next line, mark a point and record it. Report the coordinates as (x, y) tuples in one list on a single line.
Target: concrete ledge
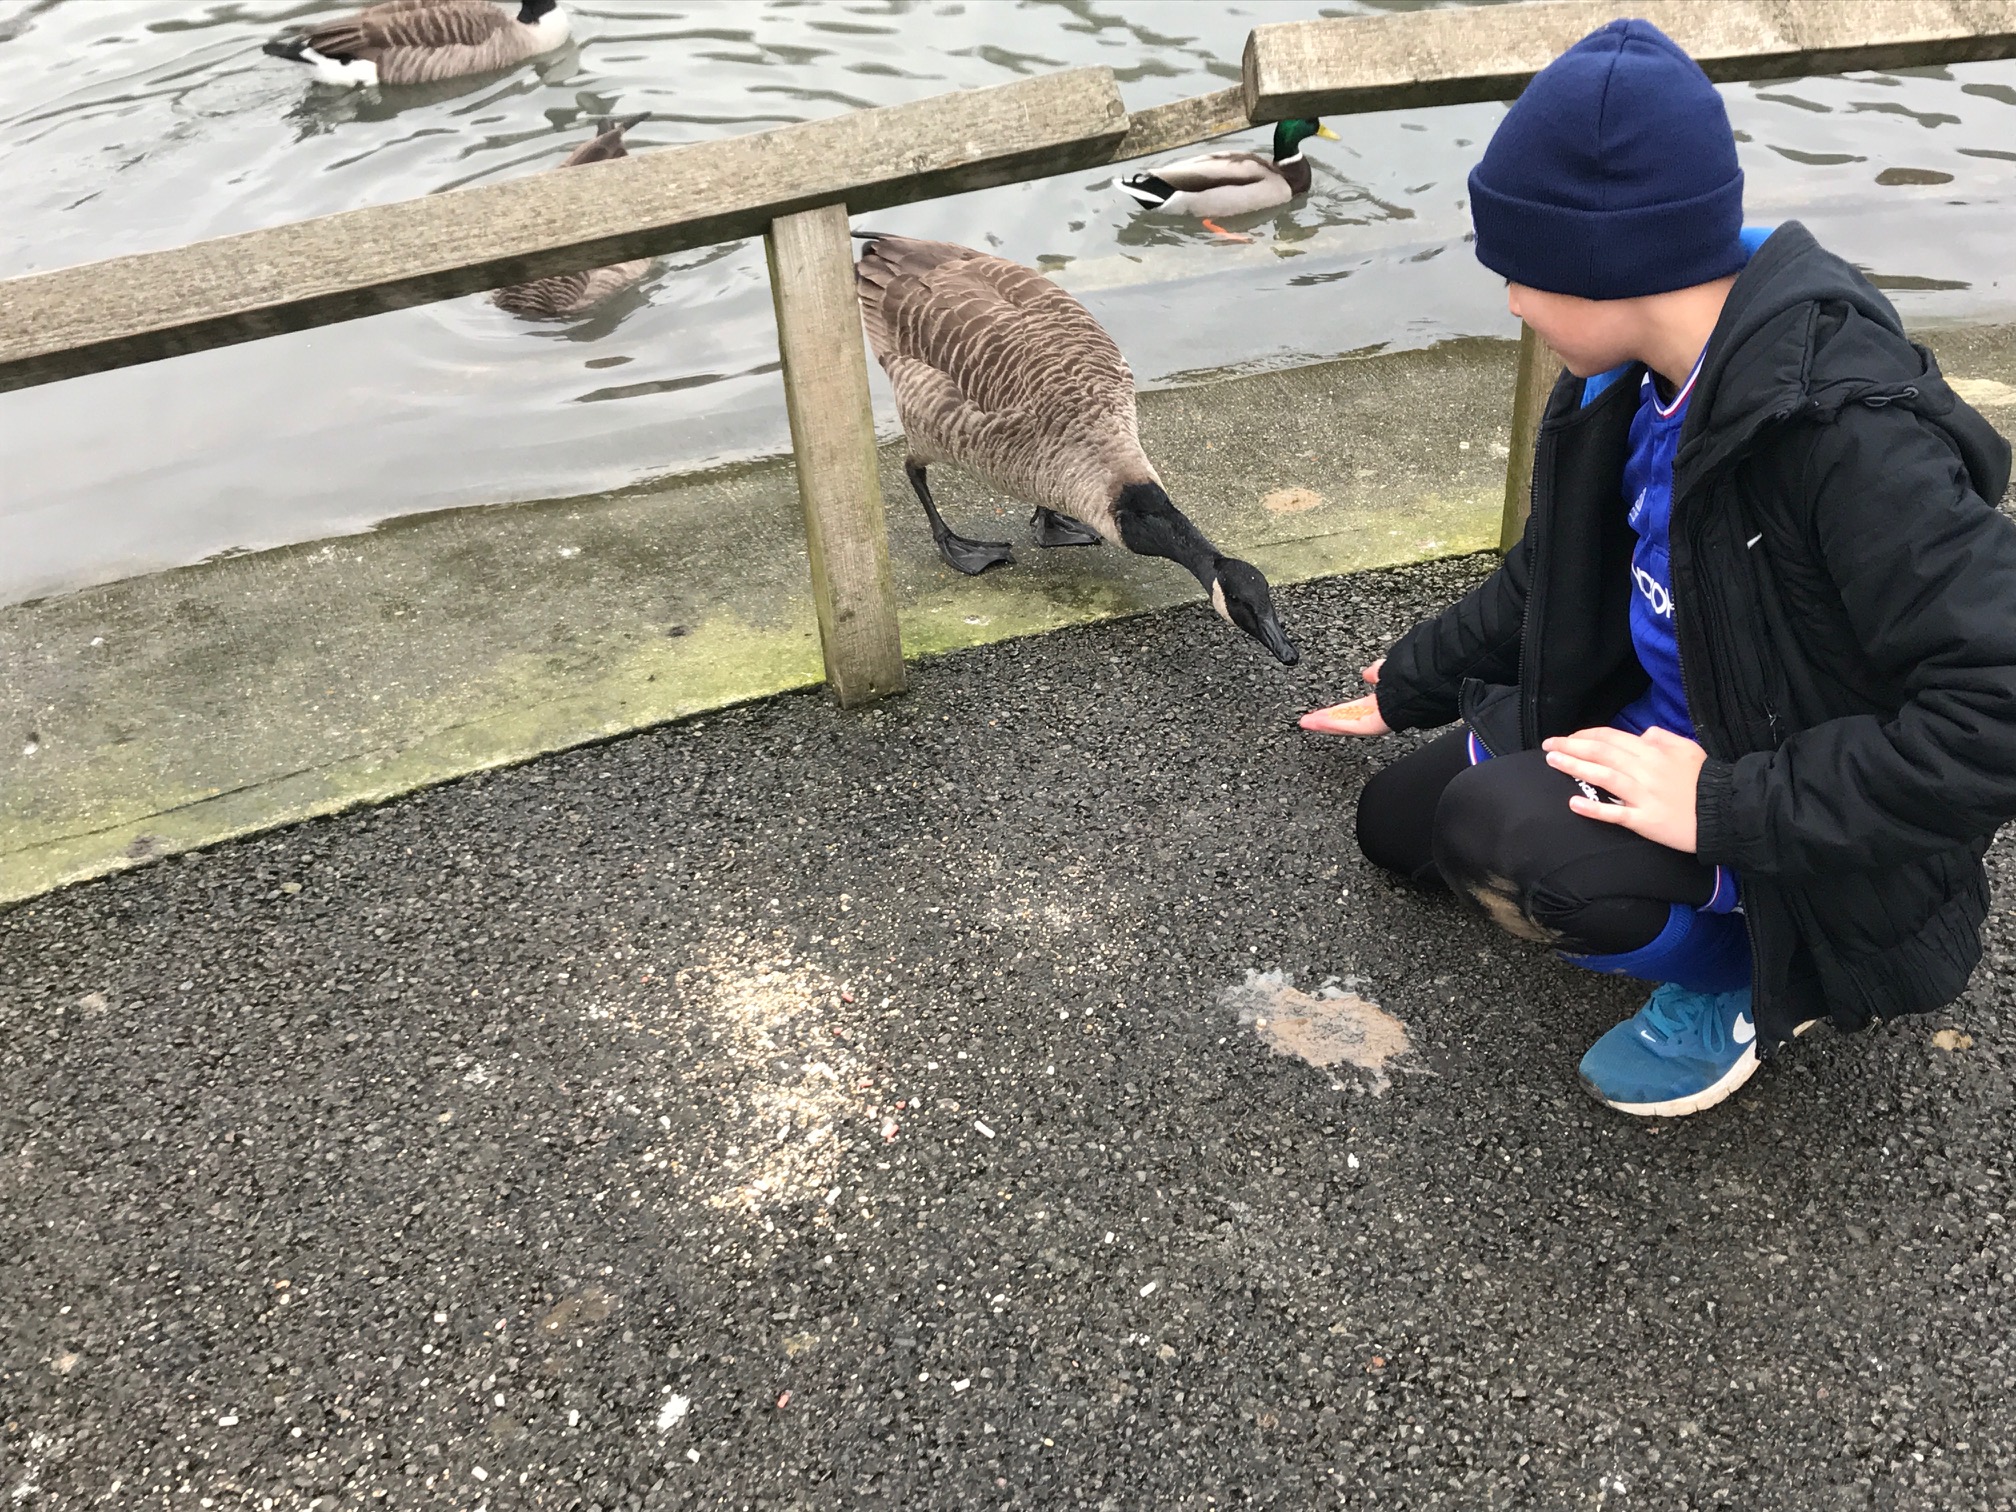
[(165, 713)]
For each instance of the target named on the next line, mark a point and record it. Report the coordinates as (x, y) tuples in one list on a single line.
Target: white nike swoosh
[(1743, 1031)]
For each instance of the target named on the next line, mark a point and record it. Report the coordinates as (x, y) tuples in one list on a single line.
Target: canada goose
[(998, 369), (1231, 183), (562, 294), (420, 41)]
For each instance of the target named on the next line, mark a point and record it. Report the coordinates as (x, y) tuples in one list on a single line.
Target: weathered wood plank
[(363, 262), (1183, 123), (833, 439), (1539, 367), (1452, 57)]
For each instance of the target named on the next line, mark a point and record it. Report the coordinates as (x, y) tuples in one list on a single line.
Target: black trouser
[(1501, 835)]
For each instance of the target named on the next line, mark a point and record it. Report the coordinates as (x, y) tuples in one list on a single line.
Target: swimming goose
[(420, 41), (1231, 183), (1001, 371), (562, 294)]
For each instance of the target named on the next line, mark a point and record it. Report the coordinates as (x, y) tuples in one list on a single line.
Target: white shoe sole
[(1741, 1071)]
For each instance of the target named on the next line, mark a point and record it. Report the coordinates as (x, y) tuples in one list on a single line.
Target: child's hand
[(1653, 777), (1358, 717)]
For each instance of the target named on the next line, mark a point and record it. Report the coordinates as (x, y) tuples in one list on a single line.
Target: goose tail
[(293, 49)]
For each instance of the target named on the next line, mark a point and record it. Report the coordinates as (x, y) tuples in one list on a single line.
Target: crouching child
[(1739, 711)]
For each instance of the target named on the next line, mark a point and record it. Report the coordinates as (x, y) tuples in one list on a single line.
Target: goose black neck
[(531, 12), (1151, 525)]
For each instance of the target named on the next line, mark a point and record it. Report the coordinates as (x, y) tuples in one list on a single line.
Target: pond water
[(127, 125)]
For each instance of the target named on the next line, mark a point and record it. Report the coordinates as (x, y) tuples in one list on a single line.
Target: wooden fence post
[(833, 440), (1538, 368)]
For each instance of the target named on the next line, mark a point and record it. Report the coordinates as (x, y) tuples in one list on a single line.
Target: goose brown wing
[(889, 263), (562, 294), (424, 24), (544, 298), (1004, 336)]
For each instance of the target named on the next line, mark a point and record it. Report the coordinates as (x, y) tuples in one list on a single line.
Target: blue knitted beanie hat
[(1613, 175)]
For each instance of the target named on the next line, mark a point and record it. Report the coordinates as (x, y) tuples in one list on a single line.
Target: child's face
[(1591, 335)]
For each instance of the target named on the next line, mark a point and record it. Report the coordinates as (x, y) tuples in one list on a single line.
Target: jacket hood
[(1804, 335)]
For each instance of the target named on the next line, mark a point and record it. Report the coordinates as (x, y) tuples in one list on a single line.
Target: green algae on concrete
[(184, 708), (719, 663), (164, 713)]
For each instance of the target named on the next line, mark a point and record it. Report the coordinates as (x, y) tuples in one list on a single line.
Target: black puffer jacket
[(1846, 610)]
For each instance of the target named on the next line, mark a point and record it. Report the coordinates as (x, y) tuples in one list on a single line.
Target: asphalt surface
[(808, 1109)]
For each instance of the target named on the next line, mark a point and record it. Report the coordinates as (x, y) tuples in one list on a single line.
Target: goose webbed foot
[(960, 554), (1054, 529), (972, 557)]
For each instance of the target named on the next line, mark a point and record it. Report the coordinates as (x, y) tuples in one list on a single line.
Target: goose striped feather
[(559, 295), (998, 369), (423, 41)]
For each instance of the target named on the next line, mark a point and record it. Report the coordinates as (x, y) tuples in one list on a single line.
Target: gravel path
[(803, 1109)]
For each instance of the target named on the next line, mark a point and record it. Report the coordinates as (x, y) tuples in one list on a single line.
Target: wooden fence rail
[(797, 184), (1457, 57), (441, 246)]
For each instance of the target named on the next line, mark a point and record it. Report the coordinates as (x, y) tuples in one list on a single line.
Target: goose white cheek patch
[(551, 29)]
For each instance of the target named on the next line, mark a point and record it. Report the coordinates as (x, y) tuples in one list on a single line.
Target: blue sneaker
[(1682, 1052)]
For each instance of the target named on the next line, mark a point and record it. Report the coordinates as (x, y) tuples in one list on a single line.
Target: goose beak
[(1275, 639), (1326, 133)]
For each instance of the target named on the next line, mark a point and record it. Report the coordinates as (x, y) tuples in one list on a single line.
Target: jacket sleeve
[(1926, 572), (1477, 636)]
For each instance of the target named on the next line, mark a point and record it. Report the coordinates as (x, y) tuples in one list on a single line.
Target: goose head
[(1241, 595), (1290, 135), (1150, 524)]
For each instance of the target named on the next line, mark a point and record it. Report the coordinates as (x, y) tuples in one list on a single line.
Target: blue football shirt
[(1648, 495)]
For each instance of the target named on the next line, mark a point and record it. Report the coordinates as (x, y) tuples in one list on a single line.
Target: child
[(1739, 710)]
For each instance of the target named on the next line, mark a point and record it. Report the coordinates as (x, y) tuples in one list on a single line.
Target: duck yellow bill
[(1326, 133)]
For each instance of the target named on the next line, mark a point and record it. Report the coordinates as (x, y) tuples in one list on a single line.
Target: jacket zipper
[(1883, 398), (1771, 715)]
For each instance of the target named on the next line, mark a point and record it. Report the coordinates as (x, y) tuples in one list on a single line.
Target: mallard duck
[(1001, 371), (562, 294), (420, 41), (1231, 183)]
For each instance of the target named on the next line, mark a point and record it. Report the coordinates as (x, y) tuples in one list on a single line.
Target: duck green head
[(1290, 135)]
